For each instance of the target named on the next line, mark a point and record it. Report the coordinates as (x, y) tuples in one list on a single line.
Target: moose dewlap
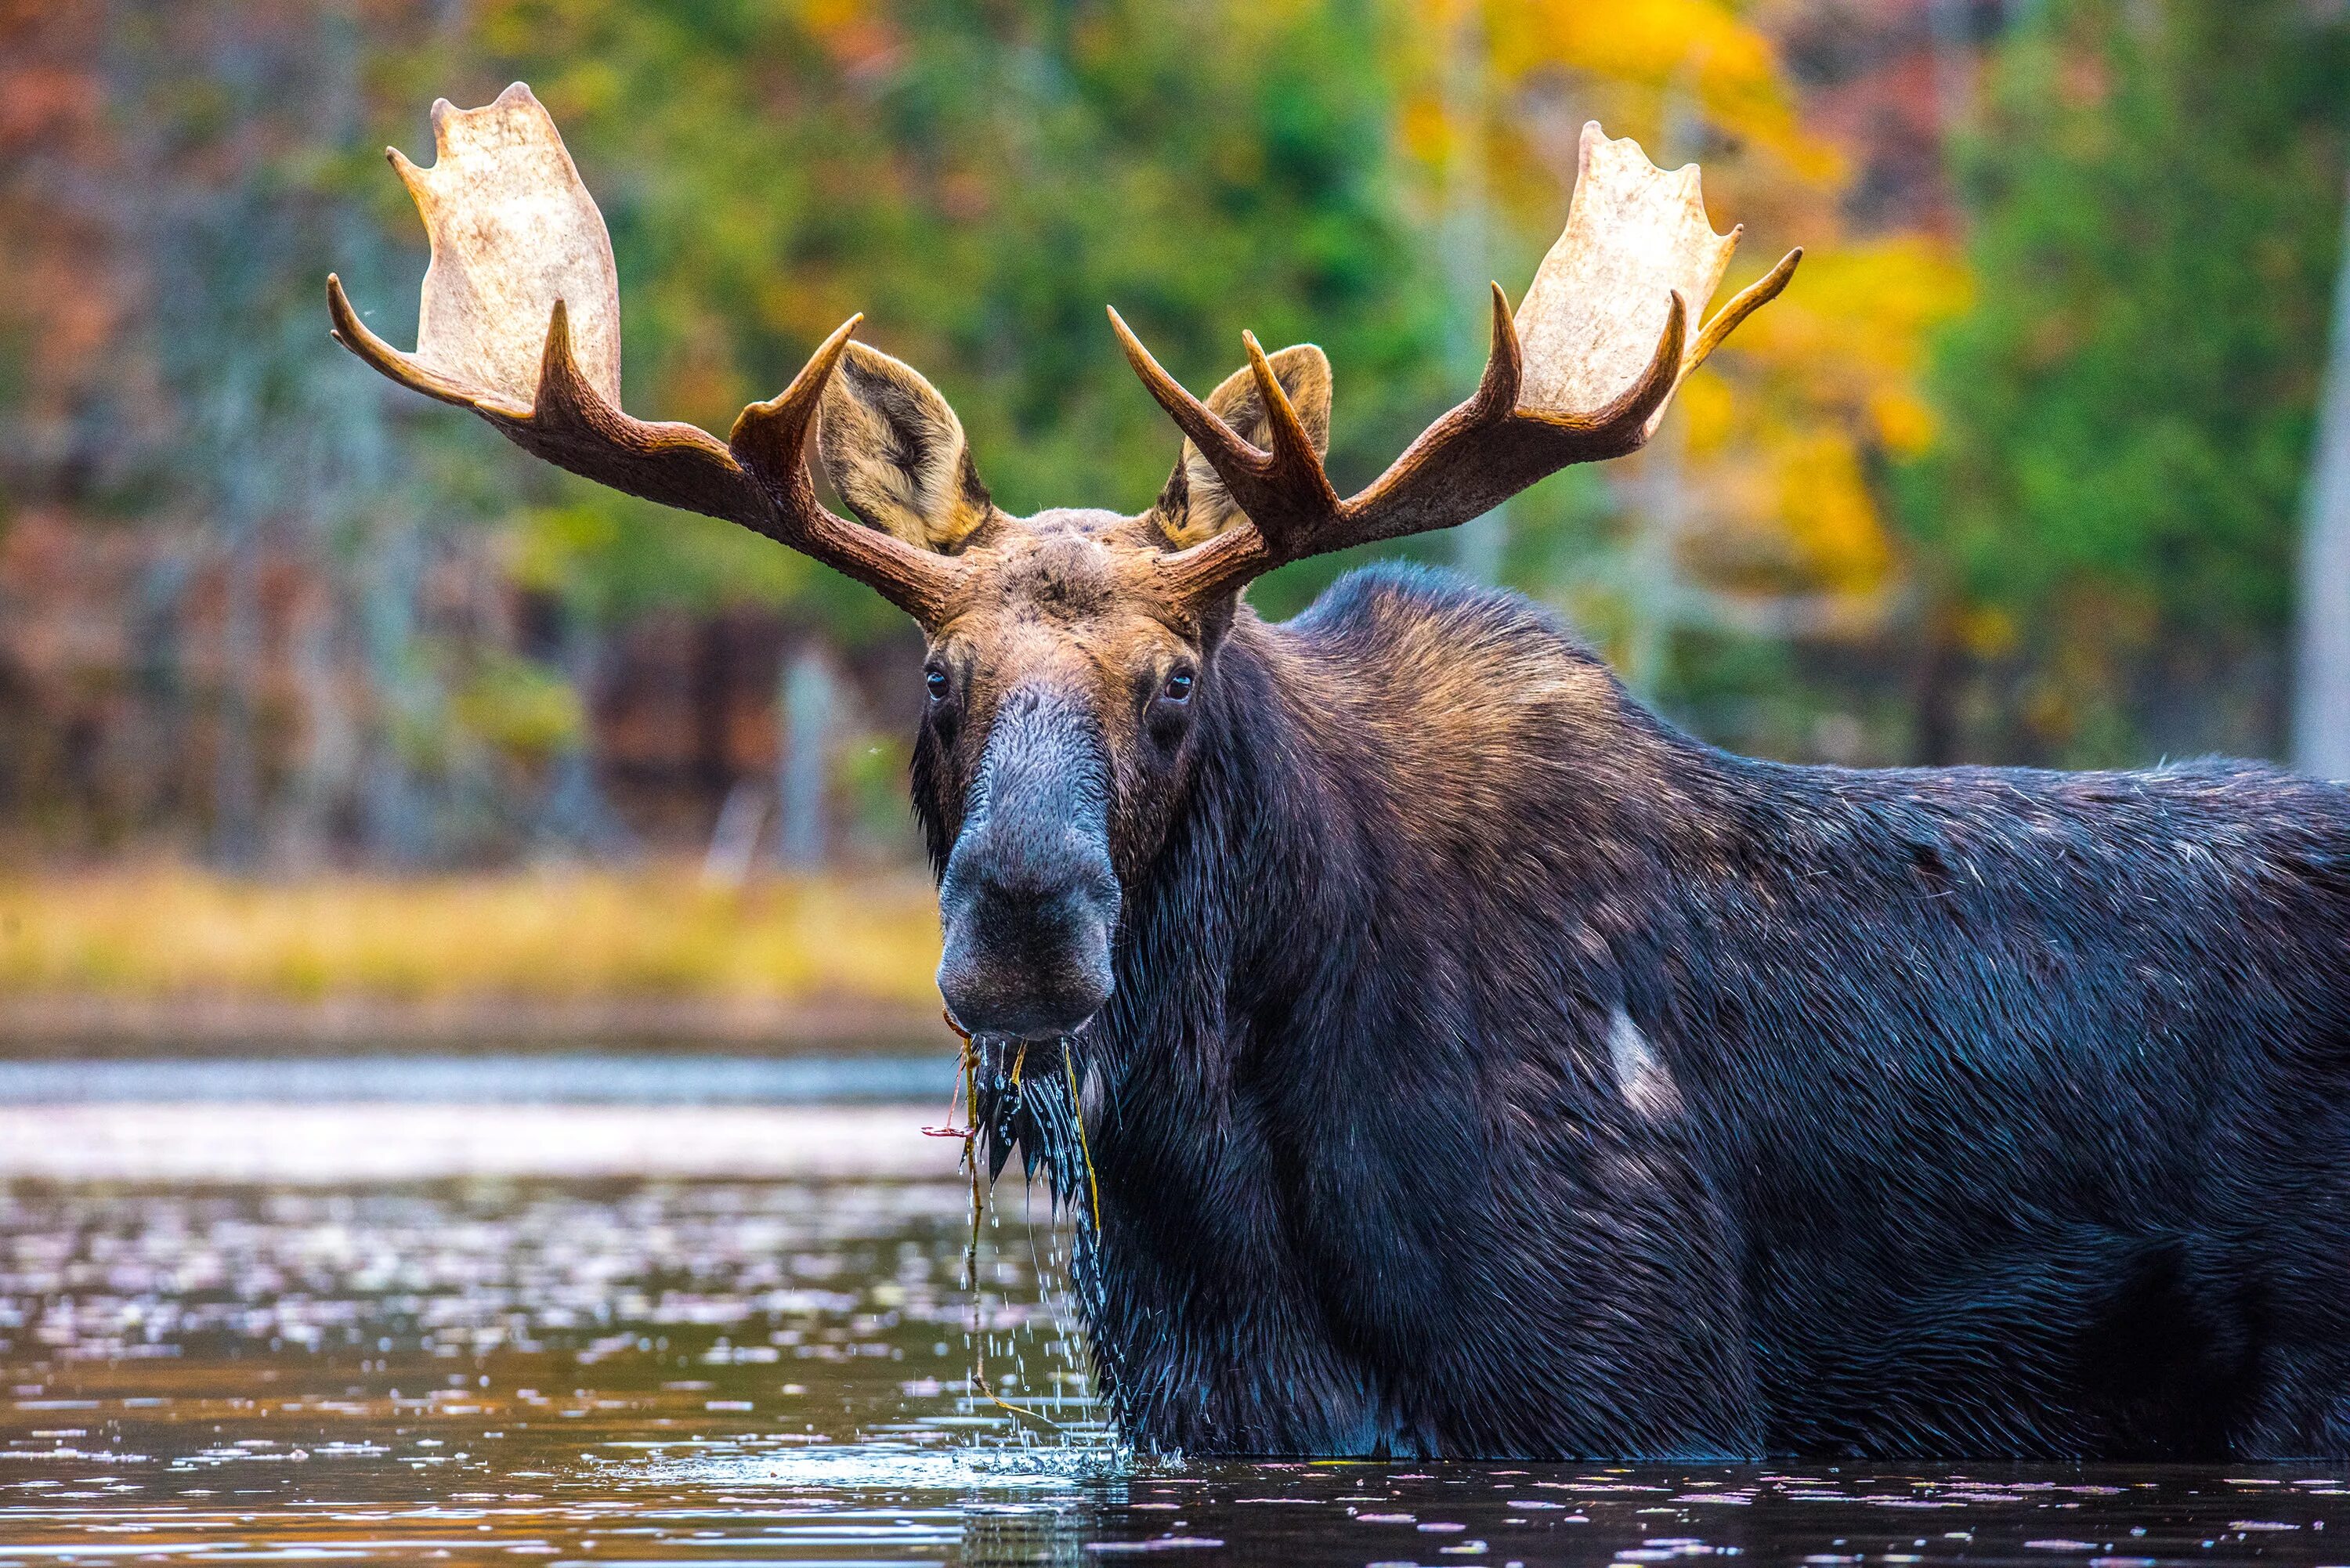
[(1455, 1057)]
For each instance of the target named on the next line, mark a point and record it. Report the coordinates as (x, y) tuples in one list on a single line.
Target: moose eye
[(1178, 687), (935, 681)]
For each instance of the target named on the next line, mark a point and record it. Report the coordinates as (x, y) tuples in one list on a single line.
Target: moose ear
[(896, 452), (1195, 506)]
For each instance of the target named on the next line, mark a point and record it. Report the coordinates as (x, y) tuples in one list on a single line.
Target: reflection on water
[(772, 1367), (589, 1368), (569, 1078)]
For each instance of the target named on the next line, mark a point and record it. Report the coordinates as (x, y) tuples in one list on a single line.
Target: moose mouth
[(1030, 897)]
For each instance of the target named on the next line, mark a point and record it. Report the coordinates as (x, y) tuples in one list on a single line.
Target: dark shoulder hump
[(1386, 600)]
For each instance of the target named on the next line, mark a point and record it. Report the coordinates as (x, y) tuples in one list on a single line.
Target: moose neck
[(1369, 792), (1283, 1090)]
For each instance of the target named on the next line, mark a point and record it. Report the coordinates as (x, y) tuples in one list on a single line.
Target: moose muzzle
[(1030, 899)]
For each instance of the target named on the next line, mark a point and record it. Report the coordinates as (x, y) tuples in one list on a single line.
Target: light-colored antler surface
[(1637, 238), (1583, 372), (513, 231), (521, 323)]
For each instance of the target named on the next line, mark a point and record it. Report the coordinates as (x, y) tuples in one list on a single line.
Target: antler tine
[(354, 334), (770, 439), (1295, 494), (1207, 431), (1497, 389), (1582, 371), (1291, 444), (1284, 493), (516, 240), (565, 398), (1743, 304)]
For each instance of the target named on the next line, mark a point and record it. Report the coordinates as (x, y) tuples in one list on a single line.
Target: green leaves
[(2126, 407)]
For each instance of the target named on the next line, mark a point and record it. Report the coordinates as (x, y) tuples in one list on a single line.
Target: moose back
[(1443, 1053)]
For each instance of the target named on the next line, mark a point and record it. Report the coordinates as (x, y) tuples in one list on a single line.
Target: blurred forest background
[(2020, 469)]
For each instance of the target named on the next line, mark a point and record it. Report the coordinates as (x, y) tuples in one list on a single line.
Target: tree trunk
[(1941, 669), (1465, 245), (2320, 721), (807, 697)]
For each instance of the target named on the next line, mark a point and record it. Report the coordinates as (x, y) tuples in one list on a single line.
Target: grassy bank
[(658, 945)]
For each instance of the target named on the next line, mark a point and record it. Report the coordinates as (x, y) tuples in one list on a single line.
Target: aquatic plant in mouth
[(1003, 1106)]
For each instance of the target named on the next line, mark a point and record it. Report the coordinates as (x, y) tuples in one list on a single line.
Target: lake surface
[(250, 1312)]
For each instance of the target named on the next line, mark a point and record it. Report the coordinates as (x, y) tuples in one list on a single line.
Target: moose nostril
[(1021, 921)]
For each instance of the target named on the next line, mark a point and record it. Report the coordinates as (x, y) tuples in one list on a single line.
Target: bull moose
[(1465, 1061)]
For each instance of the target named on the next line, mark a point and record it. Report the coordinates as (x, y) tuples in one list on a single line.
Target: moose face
[(1058, 709), (1061, 682), (1069, 653)]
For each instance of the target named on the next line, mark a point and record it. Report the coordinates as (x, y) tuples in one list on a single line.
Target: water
[(240, 1325)]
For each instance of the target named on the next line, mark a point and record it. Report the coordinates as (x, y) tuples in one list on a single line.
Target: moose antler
[(1583, 373), (521, 323)]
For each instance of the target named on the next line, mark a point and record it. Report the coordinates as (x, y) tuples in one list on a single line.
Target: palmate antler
[(521, 323), (1583, 373)]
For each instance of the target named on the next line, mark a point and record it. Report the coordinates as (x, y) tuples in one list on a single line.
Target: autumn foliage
[(1939, 501)]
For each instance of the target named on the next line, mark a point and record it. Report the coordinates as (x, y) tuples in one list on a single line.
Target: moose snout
[(1030, 897), (1027, 945)]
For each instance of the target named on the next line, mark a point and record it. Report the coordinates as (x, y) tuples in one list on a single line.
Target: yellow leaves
[(1708, 412), (1427, 132), (1856, 323), (1636, 53), (1904, 421), (1828, 376), (1830, 519), (1781, 508), (1781, 439), (1728, 66)]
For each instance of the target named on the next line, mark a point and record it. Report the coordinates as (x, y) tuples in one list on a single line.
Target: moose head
[(1069, 652)]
